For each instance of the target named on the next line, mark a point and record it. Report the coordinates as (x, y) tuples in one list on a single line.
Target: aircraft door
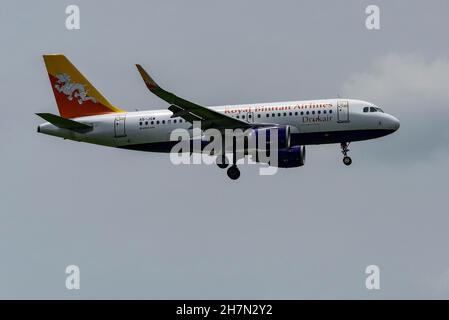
[(119, 127), (343, 111)]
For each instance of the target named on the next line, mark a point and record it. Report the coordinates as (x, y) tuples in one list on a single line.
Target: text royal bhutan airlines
[(85, 115)]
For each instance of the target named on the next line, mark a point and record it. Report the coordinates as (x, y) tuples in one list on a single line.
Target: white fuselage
[(312, 122)]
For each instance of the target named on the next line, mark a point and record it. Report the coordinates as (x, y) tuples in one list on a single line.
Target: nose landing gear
[(344, 149)]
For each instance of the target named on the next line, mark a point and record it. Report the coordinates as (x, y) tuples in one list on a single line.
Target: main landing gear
[(233, 172), (222, 162), (344, 149)]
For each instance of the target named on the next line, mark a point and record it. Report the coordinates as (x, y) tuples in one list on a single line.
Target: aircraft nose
[(395, 123)]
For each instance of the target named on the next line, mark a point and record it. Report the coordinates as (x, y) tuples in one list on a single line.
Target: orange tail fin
[(74, 94)]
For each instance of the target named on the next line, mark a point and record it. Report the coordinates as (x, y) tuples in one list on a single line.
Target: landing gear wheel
[(222, 162), (347, 161), (233, 172), (344, 149)]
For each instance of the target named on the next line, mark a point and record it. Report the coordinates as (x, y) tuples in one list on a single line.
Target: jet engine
[(294, 156)]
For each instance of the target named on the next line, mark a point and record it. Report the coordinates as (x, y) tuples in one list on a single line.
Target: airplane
[(85, 115)]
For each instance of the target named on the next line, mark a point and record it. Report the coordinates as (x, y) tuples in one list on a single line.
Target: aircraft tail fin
[(74, 94)]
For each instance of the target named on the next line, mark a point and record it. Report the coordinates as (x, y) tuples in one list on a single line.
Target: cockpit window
[(373, 108), (366, 109)]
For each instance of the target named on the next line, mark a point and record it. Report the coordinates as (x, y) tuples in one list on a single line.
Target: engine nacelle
[(265, 137), (294, 156), (287, 156)]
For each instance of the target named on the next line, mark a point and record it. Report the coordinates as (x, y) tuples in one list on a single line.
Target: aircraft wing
[(191, 111)]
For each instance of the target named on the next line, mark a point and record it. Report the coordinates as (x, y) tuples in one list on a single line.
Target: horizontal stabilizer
[(64, 123)]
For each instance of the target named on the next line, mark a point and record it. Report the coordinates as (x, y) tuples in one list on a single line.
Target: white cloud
[(405, 80), (416, 91)]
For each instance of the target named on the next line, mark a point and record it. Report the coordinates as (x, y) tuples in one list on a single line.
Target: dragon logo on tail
[(72, 90)]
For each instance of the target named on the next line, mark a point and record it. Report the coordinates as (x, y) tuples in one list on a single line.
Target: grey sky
[(140, 227)]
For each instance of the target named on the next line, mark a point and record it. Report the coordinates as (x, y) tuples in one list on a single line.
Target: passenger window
[(289, 113), (180, 120), (296, 113), (146, 123), (238, 117), (302, 113), (157, 122), (366, 109), (140, 123), (330, 111), (152, 122), (319, 111), (324, 111), (285, 114), (258, 116), (307, 112), (243, 117), (174, 121), (163, 121), (268, 115), (273, 115), (313, 112)]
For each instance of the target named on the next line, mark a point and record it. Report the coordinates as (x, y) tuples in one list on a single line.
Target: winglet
[(150, 83)]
